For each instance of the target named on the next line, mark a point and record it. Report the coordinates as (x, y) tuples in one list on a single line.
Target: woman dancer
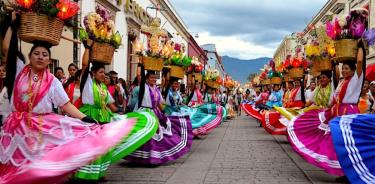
[(48, 141), (309, 134), (99, 104), (174, 136)]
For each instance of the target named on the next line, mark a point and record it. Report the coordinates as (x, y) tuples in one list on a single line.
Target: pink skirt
[(313, 143), (44, 150)]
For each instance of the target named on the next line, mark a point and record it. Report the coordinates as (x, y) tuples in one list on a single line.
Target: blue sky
[(246, 29)]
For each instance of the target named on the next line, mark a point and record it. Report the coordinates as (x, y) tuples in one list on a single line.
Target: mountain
[(240, 69)]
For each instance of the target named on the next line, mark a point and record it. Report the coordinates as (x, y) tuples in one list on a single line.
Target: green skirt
[(102, 115), (145, 127)]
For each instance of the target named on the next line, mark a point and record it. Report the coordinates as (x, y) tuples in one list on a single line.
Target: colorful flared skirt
[(270, 122), (252, 111), (172, 140), (313, 143), (44, 149), (145, 127), (203, 118), (354, 141)]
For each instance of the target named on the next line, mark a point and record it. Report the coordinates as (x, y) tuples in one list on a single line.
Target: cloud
[(260, 24), (235, 46)]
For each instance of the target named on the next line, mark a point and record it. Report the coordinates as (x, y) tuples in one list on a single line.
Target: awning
[(370, 72)]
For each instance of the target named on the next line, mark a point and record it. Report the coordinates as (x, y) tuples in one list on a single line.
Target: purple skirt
[(172, 140), (315, 144)]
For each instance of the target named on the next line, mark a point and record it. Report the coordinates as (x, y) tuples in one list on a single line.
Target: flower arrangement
[(351, 26), (62, 9), (369, 36), (295, 62), (196, 66), (100, 28), (212, 78), (211, 74), (178, 57), (229, 82)]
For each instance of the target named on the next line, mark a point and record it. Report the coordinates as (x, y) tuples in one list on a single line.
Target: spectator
[(59, 74), (310, 91), (72, 69)]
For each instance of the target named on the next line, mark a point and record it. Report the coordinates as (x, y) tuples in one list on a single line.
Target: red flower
[(25, 3), (296, 63), (67, 9)]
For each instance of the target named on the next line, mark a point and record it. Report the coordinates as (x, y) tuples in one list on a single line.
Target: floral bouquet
[(178, 57), (273, 74), (212, 78), (100, 28), (43, 20), (196, 66), (346, 31), (62, 9)]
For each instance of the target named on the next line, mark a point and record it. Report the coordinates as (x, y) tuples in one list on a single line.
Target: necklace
[(35, 77)]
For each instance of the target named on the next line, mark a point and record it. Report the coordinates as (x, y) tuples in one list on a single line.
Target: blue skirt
[(354, 141)]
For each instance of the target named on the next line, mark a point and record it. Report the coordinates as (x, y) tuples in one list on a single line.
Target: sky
[(246, 29)]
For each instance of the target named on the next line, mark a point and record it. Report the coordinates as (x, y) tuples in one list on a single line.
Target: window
[(54, 63)]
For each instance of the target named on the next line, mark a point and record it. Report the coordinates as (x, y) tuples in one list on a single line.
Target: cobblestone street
[(237, 152)]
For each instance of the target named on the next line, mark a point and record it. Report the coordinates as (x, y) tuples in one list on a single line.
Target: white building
[(214, 60)]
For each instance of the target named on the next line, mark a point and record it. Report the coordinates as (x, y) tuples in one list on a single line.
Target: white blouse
[(55, 95), (353, 91), (88, 95)]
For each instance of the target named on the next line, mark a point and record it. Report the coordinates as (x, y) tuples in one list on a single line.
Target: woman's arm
[(86, 55), (70, 109), (360, 61), (113, 107), (7, 38)]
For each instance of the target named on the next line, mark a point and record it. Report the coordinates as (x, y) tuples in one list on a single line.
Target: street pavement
[(239, 151)]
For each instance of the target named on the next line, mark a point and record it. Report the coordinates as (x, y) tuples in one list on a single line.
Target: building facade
[(286, 47), (214, 59), (138, 13)]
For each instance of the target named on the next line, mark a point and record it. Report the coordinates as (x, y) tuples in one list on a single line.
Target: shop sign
[(133, 8)]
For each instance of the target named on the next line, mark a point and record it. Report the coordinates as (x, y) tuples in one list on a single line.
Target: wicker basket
[(325, 65), (266, 82), (102, 53), (177, 71), (198, 76), (276, 80), (296, 72), (152, 63), (36, 27), (212, 84), (346, 50)]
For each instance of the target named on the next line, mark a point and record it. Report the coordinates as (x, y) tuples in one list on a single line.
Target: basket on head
[(325, 65), (212, 84), (102, 53), (198, 76), (276, 80), (36, 27), (266, 82), (296, 72), (346, 50), (177, 71), (153, 63)]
